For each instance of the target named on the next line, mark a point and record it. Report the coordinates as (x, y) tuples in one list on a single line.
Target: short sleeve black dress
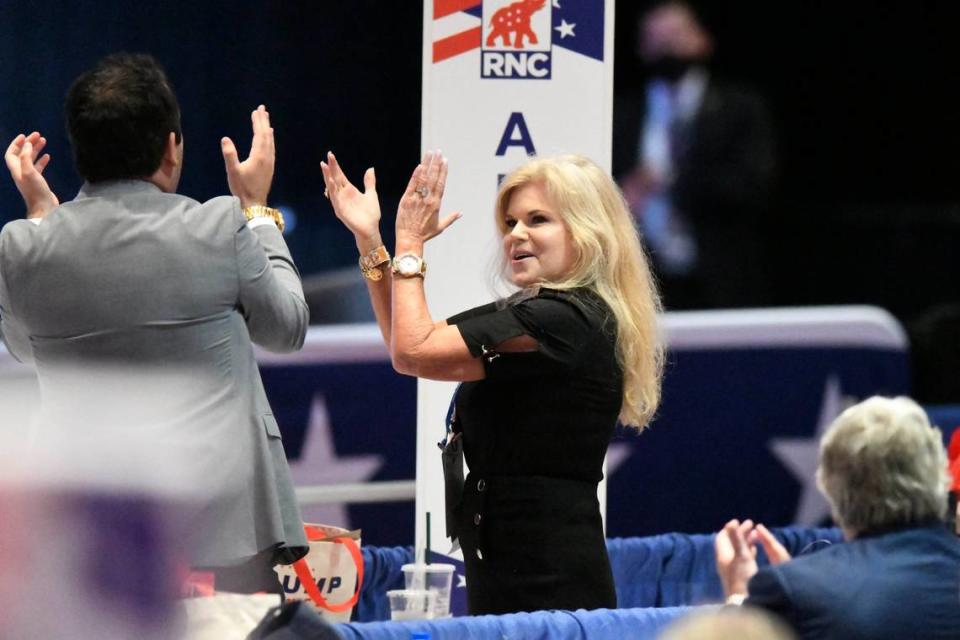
[(535, 432)]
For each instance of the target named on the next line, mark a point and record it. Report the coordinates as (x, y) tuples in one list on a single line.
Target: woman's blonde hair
[(610, 261)]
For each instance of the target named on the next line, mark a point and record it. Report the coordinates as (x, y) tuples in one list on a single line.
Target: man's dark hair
[(119, 116)]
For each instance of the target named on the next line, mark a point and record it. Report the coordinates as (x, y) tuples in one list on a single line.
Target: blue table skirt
[(670, 570), (636, 624)]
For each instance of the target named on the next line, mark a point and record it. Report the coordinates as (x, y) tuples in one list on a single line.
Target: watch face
[(408, 265)]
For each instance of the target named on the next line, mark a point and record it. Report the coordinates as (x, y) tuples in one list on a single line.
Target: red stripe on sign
[(457, 44), (443, 8)]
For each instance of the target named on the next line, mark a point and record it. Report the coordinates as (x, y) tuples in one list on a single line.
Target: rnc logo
[(516, 39)]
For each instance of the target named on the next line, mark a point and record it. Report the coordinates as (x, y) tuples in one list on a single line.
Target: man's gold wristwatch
[(260, 211), (370, 263), (409, 265)]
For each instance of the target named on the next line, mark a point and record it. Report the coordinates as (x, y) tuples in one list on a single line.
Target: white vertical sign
[(502, 80)]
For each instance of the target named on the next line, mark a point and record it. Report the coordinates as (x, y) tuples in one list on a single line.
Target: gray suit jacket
[(138, 309)]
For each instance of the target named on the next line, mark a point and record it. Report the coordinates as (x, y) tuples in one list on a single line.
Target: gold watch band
[(261, 211), (370, 263), (408, 265)]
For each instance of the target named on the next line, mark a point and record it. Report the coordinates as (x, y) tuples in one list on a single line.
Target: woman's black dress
[(535, 432)]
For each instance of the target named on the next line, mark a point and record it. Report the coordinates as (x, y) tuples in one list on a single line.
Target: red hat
[(953, 455)]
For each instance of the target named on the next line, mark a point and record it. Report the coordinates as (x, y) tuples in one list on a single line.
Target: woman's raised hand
[(418, 215), (360, 212)]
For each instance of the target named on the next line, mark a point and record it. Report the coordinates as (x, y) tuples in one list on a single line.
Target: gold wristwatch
[(261, 211), (370, 263), (409, 265)]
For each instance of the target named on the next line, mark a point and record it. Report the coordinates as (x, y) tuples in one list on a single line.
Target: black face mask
[(669, 67)]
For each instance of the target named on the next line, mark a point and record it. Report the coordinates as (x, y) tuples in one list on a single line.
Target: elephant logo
[(514, 20)]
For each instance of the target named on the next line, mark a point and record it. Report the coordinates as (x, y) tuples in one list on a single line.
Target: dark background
[(863, 96)]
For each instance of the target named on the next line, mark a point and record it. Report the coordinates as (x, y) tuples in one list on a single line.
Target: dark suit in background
[(724, 174), (899, 585), (695, 158)]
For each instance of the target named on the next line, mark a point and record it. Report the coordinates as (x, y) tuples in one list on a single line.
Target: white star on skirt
[(319, 464)]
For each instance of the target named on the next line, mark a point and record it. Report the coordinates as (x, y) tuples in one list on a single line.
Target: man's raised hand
[(26, 168), (250, 180)]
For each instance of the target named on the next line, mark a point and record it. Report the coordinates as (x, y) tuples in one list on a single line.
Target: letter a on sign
[(516, 125)]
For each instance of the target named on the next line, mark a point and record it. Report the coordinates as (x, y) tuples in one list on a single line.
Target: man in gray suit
[(138, 308)]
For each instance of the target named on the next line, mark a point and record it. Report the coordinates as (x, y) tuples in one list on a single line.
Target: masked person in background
[(695, 158)]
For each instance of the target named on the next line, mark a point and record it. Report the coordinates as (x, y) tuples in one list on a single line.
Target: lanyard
[(450, 435)]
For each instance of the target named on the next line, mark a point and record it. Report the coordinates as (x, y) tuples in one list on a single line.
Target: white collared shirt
[(665, 230), (666, 104)]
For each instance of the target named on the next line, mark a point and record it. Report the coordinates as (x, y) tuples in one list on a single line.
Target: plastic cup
[(411, 604), (437, 578)]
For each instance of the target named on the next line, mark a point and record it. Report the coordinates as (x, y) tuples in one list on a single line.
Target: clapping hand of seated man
[(359, 212), (26, 168), (736, 555), (418, 215), (250, 180)]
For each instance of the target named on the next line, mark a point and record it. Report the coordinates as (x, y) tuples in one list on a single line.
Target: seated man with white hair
[(883, 470)]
